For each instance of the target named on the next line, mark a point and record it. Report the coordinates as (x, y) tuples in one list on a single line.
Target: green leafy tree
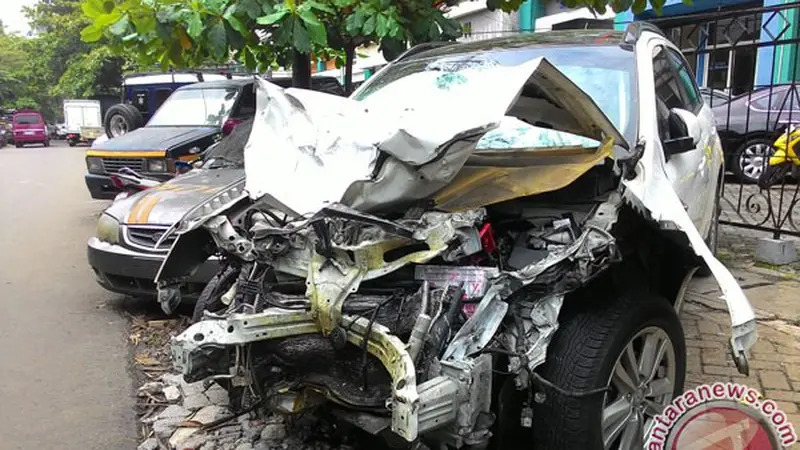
[(263, 33)]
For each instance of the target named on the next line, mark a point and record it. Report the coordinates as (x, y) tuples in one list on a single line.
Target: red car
[(29, 127)]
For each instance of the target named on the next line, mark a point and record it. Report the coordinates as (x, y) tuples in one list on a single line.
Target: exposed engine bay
[(418, 279), (437, 294)]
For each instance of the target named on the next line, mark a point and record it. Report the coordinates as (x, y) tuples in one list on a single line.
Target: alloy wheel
[(754, 159), (641, 385), (118, 126)]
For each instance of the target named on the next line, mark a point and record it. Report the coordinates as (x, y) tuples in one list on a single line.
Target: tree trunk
[(349, 52), (301, 70)]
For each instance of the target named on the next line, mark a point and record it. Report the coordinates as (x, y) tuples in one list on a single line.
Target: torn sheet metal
[(491, 177), (586, 257), (301, 135), (653, 195)]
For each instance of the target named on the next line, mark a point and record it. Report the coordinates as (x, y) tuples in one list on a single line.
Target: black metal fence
[(746, 61)]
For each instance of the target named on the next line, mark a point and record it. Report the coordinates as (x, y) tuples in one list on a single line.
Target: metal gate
[(746, 61)]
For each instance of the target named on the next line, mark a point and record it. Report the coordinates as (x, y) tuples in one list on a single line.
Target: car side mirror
[(684, 132)]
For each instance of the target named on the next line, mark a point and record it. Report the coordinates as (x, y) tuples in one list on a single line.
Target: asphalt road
[(64, 380)]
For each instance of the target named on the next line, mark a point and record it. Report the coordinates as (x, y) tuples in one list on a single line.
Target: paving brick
[(788, 407), (763, 345), (693, 364), (793, 371), (700, 343), (690, 330), (708, 327), (787, 350), (794, 419), (750, 381), (760, 364), (792, 359), (728, 371), (715, 356), (772, 379), (789, 396), (720, 339)]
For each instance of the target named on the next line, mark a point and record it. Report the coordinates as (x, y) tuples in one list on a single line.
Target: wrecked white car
[(488, 239)]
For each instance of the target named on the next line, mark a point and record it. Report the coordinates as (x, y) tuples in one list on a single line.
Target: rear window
[(27, 119)]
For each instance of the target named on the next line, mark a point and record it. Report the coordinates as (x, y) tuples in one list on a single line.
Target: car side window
[(668, 94), (690, 92), (247, 103), (770, 102)]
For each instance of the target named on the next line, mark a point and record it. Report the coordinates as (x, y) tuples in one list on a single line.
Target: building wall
[(488, 24)]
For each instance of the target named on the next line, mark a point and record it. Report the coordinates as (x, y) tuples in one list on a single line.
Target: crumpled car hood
[(302, 138)]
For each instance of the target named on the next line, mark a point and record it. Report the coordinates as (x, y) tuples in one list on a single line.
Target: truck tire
[(121, 119), (584, 355)]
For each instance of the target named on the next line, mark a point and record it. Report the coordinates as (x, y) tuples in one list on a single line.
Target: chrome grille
[(112, 165), (147, 236)]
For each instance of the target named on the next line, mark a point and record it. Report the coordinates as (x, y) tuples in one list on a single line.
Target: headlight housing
[(94, 164), (156, 165), (108, 229)]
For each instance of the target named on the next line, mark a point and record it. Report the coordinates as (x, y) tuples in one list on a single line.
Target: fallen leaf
[(145, 360), (158, 323), (190, 424)]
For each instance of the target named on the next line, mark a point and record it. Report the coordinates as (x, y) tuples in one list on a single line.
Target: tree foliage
[(261, 33), (54, 63)]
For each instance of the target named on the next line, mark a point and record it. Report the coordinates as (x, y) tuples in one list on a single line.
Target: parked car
[(714, 97), (28, 127), (748, 125), (144, 93), (192, 119), (127, 260), (124, 255), (511, 273)]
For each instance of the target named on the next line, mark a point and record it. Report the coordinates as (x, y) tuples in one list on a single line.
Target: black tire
[(740, 157), (18, 145), (209, 299), (129, 116), (583, 354), (46, 143)]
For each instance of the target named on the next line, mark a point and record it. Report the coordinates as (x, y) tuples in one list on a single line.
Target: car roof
[(242, 81), (232, 83), (564, 38)]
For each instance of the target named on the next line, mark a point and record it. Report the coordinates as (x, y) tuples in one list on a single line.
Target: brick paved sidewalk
[(774, 360)]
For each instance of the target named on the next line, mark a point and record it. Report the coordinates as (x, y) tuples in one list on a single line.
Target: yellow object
[(785, 149), (140, 213), (545, 170), (110, 154)]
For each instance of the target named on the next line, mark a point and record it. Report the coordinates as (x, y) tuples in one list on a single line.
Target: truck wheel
[(209, 299), (634, 347), (121, 119)]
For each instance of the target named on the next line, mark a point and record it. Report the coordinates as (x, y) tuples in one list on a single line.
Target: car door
[(694, 173)]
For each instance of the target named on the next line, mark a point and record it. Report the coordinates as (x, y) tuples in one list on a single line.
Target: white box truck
[(83, 121)]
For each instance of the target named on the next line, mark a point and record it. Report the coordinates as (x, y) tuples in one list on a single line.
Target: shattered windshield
[(605, 73), (229, 151), (195, 107)]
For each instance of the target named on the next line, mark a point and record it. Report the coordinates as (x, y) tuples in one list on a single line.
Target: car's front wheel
[(751, 159), (633, 346), (210, 298)]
